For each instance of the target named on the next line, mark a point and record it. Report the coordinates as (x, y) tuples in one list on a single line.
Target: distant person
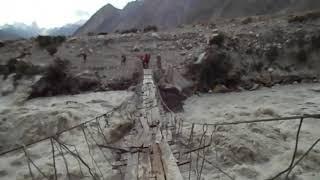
[(159, 63), (146, 60), (141, 59), (123, 60), (84, 57)]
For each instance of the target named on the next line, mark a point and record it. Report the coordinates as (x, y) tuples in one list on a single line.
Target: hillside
[(7, 35), (168, 14)]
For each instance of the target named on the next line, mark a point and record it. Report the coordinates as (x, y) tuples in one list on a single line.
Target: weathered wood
[(168, 135), (171, 169), (132, 167), (144, 171), (156, 161)]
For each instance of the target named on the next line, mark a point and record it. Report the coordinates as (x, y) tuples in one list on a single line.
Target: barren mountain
[(167, 14)]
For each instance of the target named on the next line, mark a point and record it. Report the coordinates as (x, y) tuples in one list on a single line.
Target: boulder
[(155, 35), (216, 39), (247, 20), (58, 80), (172, 98), (220, 88), (174, 89)]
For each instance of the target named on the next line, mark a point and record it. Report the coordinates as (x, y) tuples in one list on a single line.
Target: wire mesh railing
[(198, 140), (76, 152)]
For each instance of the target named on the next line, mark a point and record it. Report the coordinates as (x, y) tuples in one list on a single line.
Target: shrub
[(20, 68), (127, 31), (272, 53), (215, 69), (57, 70), (247, 20), (52, 50), (50, 43), (257, 66), (103, 33), (302, 56), (316, 41), (304, 17), (150, 28), (217, 39)]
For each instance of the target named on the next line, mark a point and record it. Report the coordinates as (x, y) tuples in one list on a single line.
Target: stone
[(247, 20), (215, 31), (220, 88), (254, 87), (136, 49), (270, 69), (183, 53), (155, 35), (189, 46), (201, 58), (216, 39)]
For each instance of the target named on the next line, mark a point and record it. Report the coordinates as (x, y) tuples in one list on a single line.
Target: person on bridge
[(159, 63), (123, 59), (146, 60), (84, 57)]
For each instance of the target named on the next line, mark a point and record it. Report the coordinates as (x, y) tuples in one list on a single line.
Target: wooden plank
[(156, 163), (168, 135), (144, 123), (144, 171), (132, 167), (171, 169), (155, 115)]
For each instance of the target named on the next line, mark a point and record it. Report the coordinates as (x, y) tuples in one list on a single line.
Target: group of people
[(145, 59)]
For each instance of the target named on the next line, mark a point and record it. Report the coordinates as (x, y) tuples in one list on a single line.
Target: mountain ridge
[(168, 14)]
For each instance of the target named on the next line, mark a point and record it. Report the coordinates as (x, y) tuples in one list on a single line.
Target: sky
[(51, 13)]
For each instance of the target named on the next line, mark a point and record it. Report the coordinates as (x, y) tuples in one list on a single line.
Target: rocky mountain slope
[(166, 13)]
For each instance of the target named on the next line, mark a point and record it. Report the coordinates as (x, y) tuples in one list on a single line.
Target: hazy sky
[(51, 13)]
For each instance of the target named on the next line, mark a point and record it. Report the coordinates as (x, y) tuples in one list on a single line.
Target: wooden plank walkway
[(154, 160)]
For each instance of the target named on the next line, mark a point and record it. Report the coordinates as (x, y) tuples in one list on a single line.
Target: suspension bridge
[(160, 149)]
